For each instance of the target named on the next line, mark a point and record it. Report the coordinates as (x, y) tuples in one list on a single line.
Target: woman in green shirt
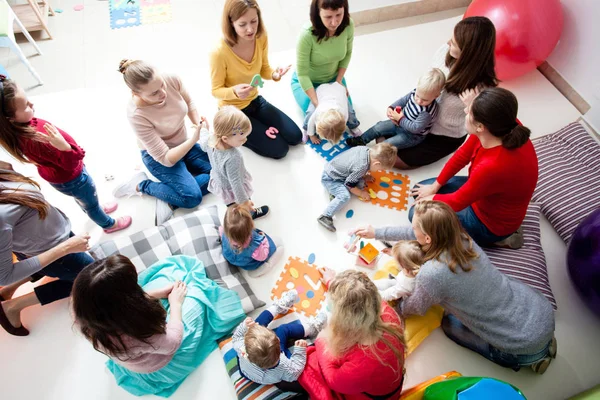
[(324, 50)]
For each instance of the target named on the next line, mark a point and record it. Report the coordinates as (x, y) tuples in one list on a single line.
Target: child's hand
[(364, 195), (249, 322), (177, 295), (387, 251), (204, 123), (248, 205), (55, 139), (369, 178), (301, 343), (395, 116), (327, 274), (315, 139)]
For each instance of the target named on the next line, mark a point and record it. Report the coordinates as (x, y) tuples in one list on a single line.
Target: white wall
[(577, 55)]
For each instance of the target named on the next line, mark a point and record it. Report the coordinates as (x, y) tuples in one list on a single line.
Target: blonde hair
[(409, 254), (136, 73), (432, 82), (228, 121), (440, 223), (331, 125), (238, 225), (232, 11), (262, 346), (385, 153), (356, 319)]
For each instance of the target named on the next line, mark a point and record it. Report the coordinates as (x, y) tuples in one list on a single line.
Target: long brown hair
[(318, 28), (232, 11), (22, 197), (11, 133), (496, 108), (440, 223), (356, 318), (108, 305), (476, 38)]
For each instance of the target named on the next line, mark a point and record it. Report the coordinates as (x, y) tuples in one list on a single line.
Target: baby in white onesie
[(409, 256)]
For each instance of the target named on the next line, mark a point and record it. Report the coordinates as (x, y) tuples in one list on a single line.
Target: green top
[(319, 61)]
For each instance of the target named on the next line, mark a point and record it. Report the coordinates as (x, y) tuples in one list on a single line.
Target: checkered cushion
[(195, 234), (527, 264), (569, 172)]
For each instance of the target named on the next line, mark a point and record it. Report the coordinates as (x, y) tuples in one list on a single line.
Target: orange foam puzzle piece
[(391, 190)]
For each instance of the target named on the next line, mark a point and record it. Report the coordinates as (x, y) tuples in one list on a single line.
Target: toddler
[(329, 119), (347, 173), (229, 178), (409, 255), (263, 354), (245, 246), (419, 110)]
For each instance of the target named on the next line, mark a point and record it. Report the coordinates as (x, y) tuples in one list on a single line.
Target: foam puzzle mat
[(128, 13), (328, 151), (391, 190), (305, 278)]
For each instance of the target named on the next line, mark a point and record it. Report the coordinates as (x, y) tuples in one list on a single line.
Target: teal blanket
[(209, 313)]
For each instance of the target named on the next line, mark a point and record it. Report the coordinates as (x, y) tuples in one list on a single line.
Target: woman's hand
[(55, 139), (178, 293), (242, 90), (77, 244), (366, 232), (315, 139), (161, 293), (426, 198), (422, 191), (280, 72), (327, 274), (468, 96)]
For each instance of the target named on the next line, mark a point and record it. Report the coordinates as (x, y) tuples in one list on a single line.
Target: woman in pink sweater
[(157, 111)]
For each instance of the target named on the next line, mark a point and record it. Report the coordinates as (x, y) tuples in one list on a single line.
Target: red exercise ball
[(526, 32)]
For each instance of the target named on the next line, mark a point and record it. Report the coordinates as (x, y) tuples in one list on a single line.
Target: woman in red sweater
[(492, 201), (360, 355), (58, 158)]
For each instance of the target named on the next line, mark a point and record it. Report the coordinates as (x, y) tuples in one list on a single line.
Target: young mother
[(240, 55), (360, 355), (492, 201), (500, 318), (40, 236), (157, 111), (468, 61)]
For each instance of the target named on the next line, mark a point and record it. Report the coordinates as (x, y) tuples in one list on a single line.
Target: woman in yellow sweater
[(240, 55)]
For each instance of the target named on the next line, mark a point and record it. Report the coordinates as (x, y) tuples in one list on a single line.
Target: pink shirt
[(161, 127)]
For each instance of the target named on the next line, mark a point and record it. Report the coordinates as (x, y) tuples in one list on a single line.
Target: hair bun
[(124, 64)]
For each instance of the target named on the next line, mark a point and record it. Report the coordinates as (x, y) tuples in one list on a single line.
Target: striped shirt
[(288, 369), (350, 166), (417, 119)]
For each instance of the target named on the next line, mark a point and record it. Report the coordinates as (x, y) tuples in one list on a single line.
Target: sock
[(308, 330), (273, 310)]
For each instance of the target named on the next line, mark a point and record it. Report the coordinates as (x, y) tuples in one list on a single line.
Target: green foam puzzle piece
[(257, 81)]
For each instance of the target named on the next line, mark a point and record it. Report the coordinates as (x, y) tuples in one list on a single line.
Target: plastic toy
[(368, 253), (398, 109), (257, 81), (472, 388), (416, 392), (271, 132), (350, 244)]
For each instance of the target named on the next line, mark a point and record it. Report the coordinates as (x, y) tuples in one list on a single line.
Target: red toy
[(398, 109), (271, 132)]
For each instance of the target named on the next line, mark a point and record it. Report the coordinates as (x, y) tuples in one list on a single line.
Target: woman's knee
[(191, 197)]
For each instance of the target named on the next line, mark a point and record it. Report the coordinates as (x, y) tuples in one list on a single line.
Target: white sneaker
[(268, 265), (285, 302), (316, 324), (129, 188), (163, 213), (356, 132)]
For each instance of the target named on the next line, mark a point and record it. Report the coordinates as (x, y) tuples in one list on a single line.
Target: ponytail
[(136, 73), (517, 137)]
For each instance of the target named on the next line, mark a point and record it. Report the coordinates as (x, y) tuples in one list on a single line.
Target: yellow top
[(228, 70)]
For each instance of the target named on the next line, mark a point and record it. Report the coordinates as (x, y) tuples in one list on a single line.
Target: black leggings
[(433, 148), (293, 387)]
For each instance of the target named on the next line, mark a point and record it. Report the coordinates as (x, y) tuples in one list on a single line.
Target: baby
[(407, 127), (409, 255), (329, 119), (347, 173), (263, 354)]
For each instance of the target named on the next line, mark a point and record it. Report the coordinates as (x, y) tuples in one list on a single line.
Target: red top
[(53, 165), (500, 184), (356, 372)]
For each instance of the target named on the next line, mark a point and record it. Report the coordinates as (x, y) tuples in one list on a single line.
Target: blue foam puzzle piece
[(311, 258), (349, 213), (327, 151)]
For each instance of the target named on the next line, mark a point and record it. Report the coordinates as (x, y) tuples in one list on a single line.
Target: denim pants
[(285, 332), (181, 185), (467, 217), (463, 336), (352, 122), (263, 115), (83, 190), (337, 189), (396, 135)]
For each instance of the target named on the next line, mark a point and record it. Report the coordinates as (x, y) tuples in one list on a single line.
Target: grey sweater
[(506, 313), (22, 231)]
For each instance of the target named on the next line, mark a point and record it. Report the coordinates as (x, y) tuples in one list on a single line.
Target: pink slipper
[(122, 223), (110, 207)]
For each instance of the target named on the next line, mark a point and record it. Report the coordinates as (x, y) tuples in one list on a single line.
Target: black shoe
[(355, 141), (260, 212), (327, 223)]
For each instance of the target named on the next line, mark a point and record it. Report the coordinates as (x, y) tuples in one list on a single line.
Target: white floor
[(85, 96)]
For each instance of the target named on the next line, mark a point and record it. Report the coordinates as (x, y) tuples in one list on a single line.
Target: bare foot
[(14, 317)]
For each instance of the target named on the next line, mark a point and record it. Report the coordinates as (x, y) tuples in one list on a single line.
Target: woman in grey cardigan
[(500, 318), (39, 235)]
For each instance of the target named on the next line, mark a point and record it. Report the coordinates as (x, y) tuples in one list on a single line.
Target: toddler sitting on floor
[(410, 257)]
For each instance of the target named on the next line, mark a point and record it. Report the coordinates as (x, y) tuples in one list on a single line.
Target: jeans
[(83, 190), (181, 185), (263, 115), (396, 135), (467, 217), (285, 332), (463, 336), (337, 189), (352, 122), (302, 98)]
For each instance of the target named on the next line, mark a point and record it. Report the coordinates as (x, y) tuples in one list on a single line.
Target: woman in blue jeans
[(157, 111), (40, 237)]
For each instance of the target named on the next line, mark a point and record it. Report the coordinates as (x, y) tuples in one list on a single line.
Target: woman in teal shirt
[(324, 51)]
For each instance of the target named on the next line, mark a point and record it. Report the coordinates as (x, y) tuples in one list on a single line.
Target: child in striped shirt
[(263, 353), (407, 126)]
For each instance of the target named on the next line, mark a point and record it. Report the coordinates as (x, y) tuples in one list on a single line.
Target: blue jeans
[(467, 217), (83, 190), (337, 189), (181, 185), (463, 336), (285, 332), (352, 122), (396, 135)]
